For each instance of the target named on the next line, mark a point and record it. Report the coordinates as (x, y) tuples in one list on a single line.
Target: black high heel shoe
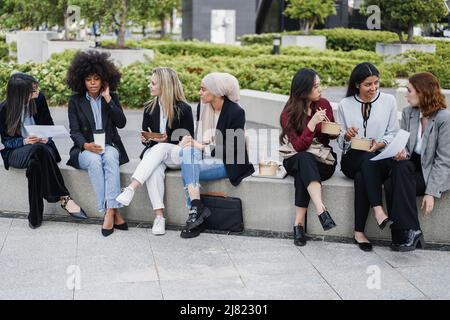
[(364, 246), (107, 232), (77, 215), (326, 221), (412, 239), (123, 226), (386, 222)]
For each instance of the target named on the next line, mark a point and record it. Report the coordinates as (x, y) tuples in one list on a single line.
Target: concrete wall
[(315, 42), (50, 47), (30, 43), (386, 49), (197, 17)]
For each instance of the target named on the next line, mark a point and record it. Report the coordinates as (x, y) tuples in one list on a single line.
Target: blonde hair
[(171, 92)]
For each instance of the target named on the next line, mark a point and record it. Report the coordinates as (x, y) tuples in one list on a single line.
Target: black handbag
[(226, 212)]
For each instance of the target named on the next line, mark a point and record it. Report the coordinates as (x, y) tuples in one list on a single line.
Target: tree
[(22, 14), (110, 14), (400, 16), (145, 11), (310, 12)]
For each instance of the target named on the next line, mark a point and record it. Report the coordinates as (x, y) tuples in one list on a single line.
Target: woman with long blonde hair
[(169, 115)]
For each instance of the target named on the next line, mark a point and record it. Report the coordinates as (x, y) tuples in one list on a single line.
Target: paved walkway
[(73, 261)]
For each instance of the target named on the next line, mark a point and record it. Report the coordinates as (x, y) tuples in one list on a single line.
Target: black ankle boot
[(326, 221), (409, 240), (299, 236), (197, 215)]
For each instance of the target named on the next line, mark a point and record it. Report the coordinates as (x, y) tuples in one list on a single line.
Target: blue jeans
[(195, 169), (103, 170)]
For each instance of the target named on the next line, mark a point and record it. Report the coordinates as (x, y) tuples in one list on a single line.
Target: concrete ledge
[(386, 49), (315, 42), (265, 108), (274, 213)]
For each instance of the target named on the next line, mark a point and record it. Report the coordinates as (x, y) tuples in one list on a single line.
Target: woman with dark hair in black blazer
[(96, 108), (219, 150), (38, 155)]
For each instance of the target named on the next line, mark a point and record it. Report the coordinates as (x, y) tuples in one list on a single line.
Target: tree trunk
[(172, 20), (307, 27), (400, 36), (162, 19), (66, 24), (410, 33), (122, 24), (143, 31)]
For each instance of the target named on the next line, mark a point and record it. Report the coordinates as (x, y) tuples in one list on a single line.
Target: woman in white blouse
[(367, 112)]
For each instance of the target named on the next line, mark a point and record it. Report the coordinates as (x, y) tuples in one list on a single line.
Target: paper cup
[(99, 139), (331, 128), (363, 144)]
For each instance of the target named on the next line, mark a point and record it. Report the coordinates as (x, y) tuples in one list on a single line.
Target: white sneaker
[(126, 196), (159, 226)]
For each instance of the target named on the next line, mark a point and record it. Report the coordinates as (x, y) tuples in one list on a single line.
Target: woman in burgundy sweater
[(301, 123)]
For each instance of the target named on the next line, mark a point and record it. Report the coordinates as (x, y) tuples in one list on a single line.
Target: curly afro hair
[(88, 63)]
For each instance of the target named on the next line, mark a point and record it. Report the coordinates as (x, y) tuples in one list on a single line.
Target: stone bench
[(268, 204)]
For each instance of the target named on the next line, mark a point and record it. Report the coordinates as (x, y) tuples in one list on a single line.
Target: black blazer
[(42, 117), (183, 119), (232, 117), (82, 125)]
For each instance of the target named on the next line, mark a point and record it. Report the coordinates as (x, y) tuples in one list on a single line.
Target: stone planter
[(30, 43), (315, 42), (388, 49), (50, 47), (125, 57)]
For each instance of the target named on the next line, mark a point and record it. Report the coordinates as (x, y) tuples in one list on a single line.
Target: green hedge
[(4, 51), (254, 66), (265, 72)]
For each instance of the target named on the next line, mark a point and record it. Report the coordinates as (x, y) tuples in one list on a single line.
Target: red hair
[(431, 98)]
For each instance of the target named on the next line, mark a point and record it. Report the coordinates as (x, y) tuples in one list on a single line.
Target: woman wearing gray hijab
[(219, 150)]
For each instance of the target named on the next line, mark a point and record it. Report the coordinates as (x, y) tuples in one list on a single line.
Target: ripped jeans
[(195, 169)]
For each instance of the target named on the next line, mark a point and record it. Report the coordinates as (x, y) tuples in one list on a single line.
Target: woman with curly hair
[(25, 106), (95, 108), (170, 115), (423, 167)]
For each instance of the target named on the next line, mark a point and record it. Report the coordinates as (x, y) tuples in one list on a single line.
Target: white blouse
[(382, 125)]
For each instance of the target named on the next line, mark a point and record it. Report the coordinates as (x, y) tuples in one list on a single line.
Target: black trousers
[(44, 177), (406, 182), (305, 169), (368, 177)]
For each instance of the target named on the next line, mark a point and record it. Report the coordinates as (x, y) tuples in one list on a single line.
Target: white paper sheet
[(47, 131), (397, 145)]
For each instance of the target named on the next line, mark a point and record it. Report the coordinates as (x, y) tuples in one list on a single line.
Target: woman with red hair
[(423, 167)]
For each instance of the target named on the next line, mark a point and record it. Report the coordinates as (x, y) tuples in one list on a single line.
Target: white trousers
[(151, 170)]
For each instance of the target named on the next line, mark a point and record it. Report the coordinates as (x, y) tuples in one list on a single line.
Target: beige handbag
[(323, 154), (287, 150)]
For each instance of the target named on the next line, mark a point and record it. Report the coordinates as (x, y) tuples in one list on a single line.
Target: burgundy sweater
[(302, 141)]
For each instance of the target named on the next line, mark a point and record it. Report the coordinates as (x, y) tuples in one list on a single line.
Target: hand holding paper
[(47, 131), (397, 145)]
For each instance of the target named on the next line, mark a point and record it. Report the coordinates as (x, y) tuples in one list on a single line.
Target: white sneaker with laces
[(159, 226), (126, 196)]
